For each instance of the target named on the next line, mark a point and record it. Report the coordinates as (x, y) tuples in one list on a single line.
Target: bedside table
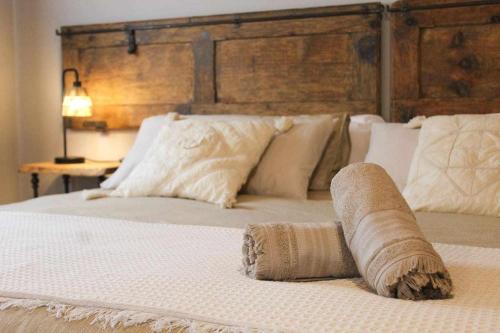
[(87, 169)]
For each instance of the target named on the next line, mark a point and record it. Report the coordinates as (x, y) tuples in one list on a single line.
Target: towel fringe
[(109, 318), (420, 277)]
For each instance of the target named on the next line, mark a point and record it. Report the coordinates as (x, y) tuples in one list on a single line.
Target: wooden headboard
[(304, 61), (445, 57)]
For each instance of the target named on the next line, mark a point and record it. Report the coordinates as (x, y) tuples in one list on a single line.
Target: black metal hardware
[(66, 179), (409, 114), (101, 179), (183, 109), (132, 44), (407, 8), (35, 181), (96, 125), (461, 88), (66, 120), (367, 49), (469, 62), (236, 21), (458, 40), (410, 21)]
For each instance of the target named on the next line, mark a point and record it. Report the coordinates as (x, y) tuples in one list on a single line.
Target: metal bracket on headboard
[(236, 20), (132, 43)]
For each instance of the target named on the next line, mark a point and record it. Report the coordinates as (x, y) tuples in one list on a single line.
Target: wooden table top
[(87, 169)]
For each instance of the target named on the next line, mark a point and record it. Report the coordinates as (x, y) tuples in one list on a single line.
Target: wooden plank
[(312, 68), (445, 61), (121, 117), (455, 16), (204, 81), (297, 108), (156, 74), (468, 69), (366, 57), (360, 9), (130, 117), (300, 27), (415, 4), (404, 110), (87, 169), (404, 58)]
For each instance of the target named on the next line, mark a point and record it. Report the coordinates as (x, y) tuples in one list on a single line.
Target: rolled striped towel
[(296, 251), (381, 231)]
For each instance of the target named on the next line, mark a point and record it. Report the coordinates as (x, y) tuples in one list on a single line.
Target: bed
[(480, 233), (205, 291)]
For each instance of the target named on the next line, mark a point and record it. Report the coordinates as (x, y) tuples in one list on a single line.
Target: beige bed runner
[(166, 276)]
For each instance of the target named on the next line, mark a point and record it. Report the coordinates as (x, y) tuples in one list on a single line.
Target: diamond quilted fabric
[(456, 167)]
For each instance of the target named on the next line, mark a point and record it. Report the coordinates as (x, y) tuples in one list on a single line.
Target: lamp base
[(69, 160)]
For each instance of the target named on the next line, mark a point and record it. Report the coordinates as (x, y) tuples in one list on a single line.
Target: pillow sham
[(288, 163), (456, 167), (359, 133), (335, 156), (147, 133), (202, 160), (392, 146)]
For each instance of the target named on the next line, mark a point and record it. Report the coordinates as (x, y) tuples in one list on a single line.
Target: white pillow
[(288, 163), (145, 137), (202, 160), (392, 146), (360, 131), (148, 131), (456, 167)]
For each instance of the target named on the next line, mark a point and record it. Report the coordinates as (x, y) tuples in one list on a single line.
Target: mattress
[(483, 231), (443, 228)]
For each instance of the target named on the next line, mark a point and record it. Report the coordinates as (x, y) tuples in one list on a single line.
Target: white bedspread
[(189, 276)]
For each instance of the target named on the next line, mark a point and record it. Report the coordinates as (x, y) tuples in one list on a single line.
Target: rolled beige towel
[(381, 231), (296, 251)]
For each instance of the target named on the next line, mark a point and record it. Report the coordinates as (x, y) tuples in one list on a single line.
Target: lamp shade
[(77, 103)]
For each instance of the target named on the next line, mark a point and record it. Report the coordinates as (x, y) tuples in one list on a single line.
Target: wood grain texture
[(299, 69), (445, 61), (87, 169), (416, 4), (311, 62)]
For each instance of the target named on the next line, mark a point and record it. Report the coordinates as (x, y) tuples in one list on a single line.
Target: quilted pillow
[(202, 160), (456, 166)]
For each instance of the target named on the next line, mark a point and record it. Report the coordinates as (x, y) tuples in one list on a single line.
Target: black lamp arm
[(76, 83), (66, 120)]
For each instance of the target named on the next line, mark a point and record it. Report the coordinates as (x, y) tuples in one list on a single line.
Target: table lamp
[(76, 103)]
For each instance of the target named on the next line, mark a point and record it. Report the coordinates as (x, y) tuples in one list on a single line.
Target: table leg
[(66, 183), (34, 184)]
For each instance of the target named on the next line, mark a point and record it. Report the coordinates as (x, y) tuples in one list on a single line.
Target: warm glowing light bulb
[(77, 103)]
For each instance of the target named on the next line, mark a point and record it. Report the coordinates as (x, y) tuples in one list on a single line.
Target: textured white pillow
[(456, 167), (288, 163), (392, 146), (148, 131), (360, 131), (202, 160), (150, 128)]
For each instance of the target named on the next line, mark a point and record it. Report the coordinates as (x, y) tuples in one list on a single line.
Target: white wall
[(8, 158), (39, 67)]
